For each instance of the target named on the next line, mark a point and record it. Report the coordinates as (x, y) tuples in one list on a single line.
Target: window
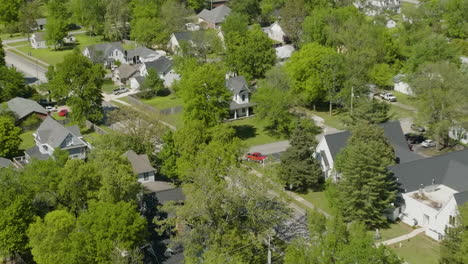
[(452, 220), (45, 147), (243, 97), (146, 176)]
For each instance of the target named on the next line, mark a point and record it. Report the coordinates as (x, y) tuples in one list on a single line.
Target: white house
[(458, 132), (331, 144), (177, 39), (241, 106), (431, 190), (123, 74), (38, 40), (214, 17), (275, 32), (106, 53), (141, 166), (400, 85), (163, 66), (142, 54), (40, 24), (375, 7), (391, 23), (284, 52)]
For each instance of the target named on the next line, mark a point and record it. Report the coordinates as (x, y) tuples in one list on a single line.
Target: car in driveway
[(120, 90), (63, 112), (51, 109), (428, 143), (418, 128), (388, 97)]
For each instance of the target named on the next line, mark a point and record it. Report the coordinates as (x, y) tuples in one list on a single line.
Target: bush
[(31, 123)]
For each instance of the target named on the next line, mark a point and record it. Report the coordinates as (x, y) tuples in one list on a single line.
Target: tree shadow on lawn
[(245, 131)]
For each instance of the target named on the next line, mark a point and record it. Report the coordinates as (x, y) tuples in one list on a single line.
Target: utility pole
[(269, 250)]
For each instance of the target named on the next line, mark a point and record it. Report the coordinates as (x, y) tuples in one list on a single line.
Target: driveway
[(272, 148)]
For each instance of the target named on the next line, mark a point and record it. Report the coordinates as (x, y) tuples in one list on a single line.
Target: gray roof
[(461, 197), (237, 84), (216, 15), (175, 195), (23, 107), (162, 65), (126, 71), (140, 79), (36, 154), (41, 21), (5, 163), (449, 169), (141, 52), (183, 36), (100, 52), (392, 131), (54, 134), (140, 163)]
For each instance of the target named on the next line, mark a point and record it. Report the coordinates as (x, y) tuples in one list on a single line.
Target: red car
[(256, 156), (63, 112)]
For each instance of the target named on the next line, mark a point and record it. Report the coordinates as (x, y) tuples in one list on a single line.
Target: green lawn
[(318, 199), (108, 86), (394, 230), (252, 132), (397, 112), (164, 102), (418, 250), (28, 140), (5, 36), (14, 44), (406, 99), (56, 56), (57, 117), (174, 119)]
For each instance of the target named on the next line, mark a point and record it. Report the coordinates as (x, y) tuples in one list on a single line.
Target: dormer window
[(243, 97), (45, 147)]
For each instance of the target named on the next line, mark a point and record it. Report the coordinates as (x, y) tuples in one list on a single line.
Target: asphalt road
[(31, 71)]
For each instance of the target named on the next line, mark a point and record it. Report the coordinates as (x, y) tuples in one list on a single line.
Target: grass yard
[(54, 57), (174, 119), (5, 36), (28, 140), (164, 102), (406, 99), (318, 199), (335, 120), (252, 132), (394, 230), (21, 43), (418, 250), (397, 112), (108, 86), (57, 117)]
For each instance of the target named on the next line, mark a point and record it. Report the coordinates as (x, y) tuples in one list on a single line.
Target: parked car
[(417, 128), (414, 138), (428, 143), (388, 97), (256, 156), (63, 112), (120, 90), (51, 109)]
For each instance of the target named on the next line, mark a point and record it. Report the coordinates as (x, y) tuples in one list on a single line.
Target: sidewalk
[(403, 237)]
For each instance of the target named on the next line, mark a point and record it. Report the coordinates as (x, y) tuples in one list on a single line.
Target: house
[(431, 190), (136, 82), (164, 67), (106, 53), (177, 39), (275, 32), (24, 108), (400, 85), (391, 23), (70, 38), (376, 7), (192, 27), (51, 135), (5, 163), (331, 144), (122, 75), (141, 166), (284, 52), (241, 106), (142, 54), (40, 24), (214, 17), (38, 40)]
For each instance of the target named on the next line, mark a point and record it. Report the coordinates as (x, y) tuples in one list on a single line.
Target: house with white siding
[(275, 32), (141, 166), (106, 53), (400, 85), (241, 105)]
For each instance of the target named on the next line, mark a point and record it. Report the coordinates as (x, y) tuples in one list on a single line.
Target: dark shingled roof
[(140, 163), (100, 52), (54, 134), (392, 131), (450, 169), (36, 154), (183, 36), (23, 107), (141, 52), (215, 15), (461, 197), (162, 65), (175, 195), (237, 84)]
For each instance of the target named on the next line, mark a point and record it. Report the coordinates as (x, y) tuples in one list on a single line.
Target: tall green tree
[(292, 15), (9, 10), (457, 21), (57, 22), (250, 55), (441, 90), (152, 85), (12, 84), (89, 13), (205, 96), (366, 188), (454, 247), (2, 54), (78, 82), (251, 8), (10, 139), (299, 169), (116, 20), (371, 111), (27, 16), (144, 21), (274, 102), (235, 22)]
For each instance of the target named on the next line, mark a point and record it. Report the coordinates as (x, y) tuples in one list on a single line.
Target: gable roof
[(448, 169), (461, 197), (237, 84), (4, 163), (140, 163), (175, 195), (23, 107), (141, 52), (162, 65), (41, 21), (215, 15), (125, 71), (100, 52), (183, 36), (392, 131), (53, 133)]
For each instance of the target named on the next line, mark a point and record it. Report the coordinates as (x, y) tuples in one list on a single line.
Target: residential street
[(30, 69)]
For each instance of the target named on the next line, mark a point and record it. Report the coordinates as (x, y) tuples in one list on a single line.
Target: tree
[(116, 20), (57, 23), (78, 82), (152, 85), (12, 84), (381, 75), (455, 15), (371, 111), (168, 157), (9, 10), (10, 139), (196, 5), (235, 22), (49, 238), (454, 247), (2, 54), (205, 95), (292, 15), (309, 71), (27, 16), (172, 18), (366, 189), (144, 21), (274, 102), (250, 55), (299, 169), (332, 241), (90, 14), (251, 8), (441, 90)]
